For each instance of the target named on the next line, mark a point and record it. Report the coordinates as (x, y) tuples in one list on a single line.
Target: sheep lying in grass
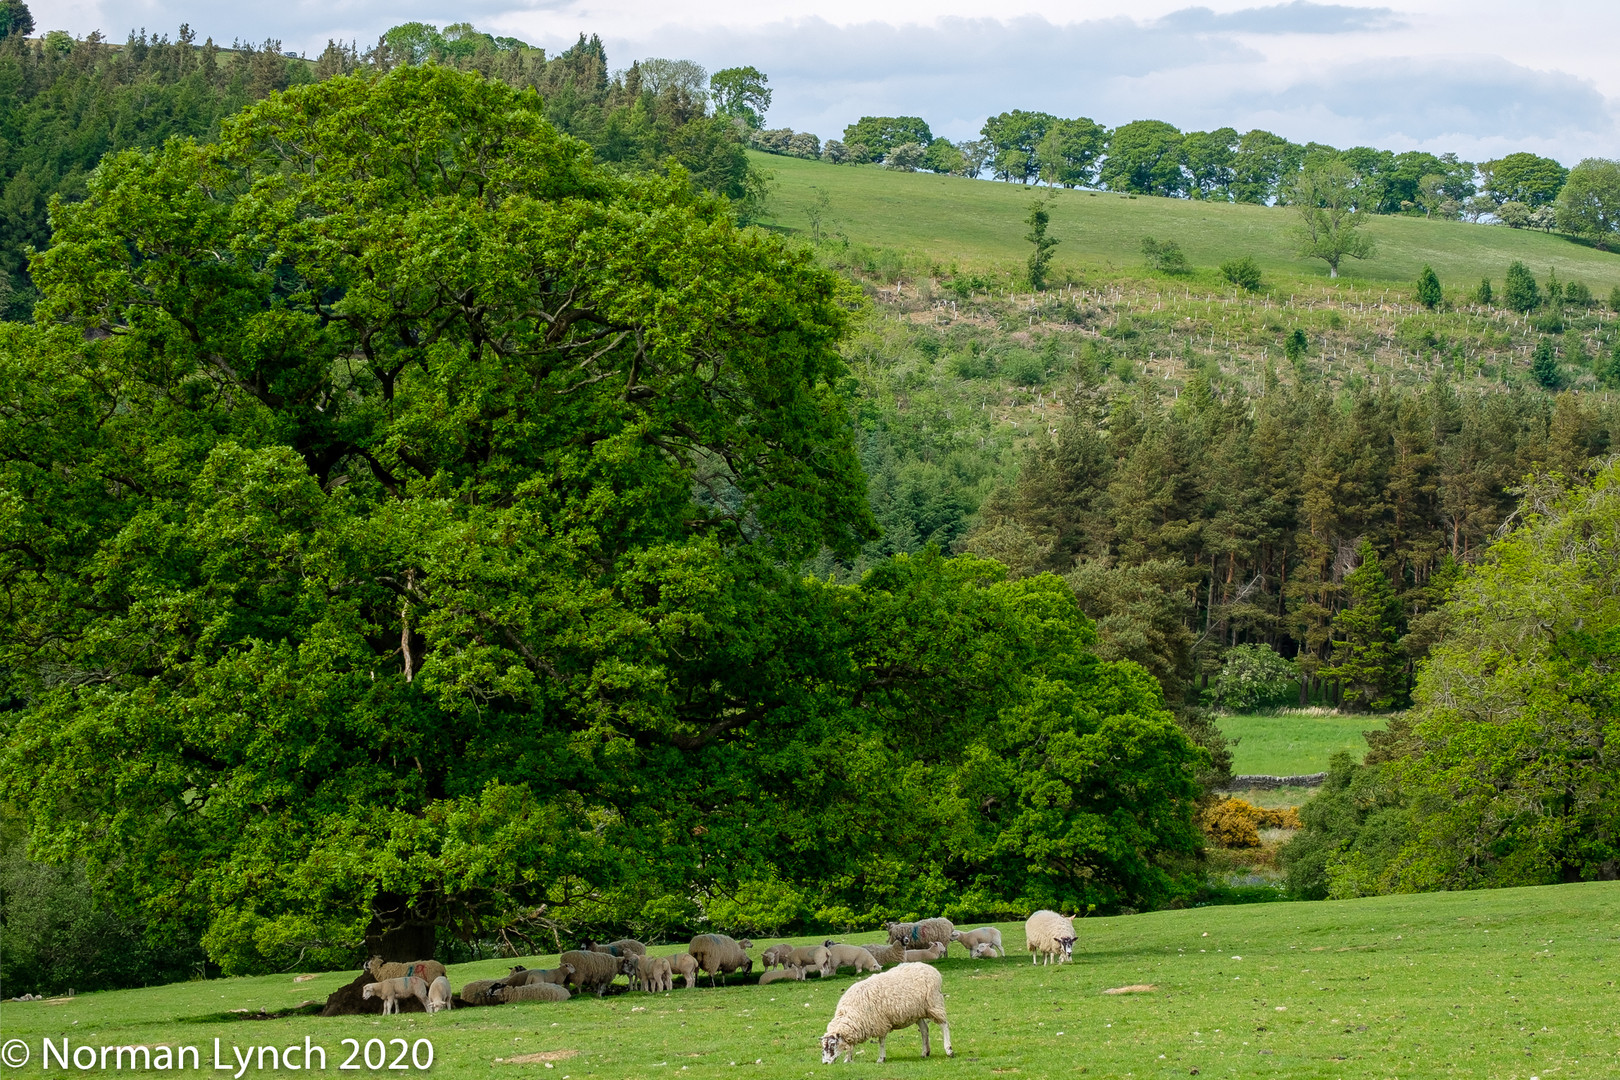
[(719, 955), (776, 956), (522, 976), (813, 957), (916, 935), (593, 972), (903, 995), (480, 992), (887, 954), (426, 970), (684, 964), (650, 973), (540, 991), (984, 935), (391, 990), (790, 974), (936, 951), (1049, 934), (622, 947), (983, 949), (848, 956), (439, 994)]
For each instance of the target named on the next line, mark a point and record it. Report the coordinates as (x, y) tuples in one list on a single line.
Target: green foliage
[(15, 18), (1367, 657), (1482, 295), (741, 93), (1067, 154), (1040, 257), (881, 134), (1325, 198), (1356, 829), (1015, 139), (1429, 293), (1243, 272), (1253, 677), (1295, 346), (1144, 157), (942, 157), (1519, 289), (1577, 295), (1614, 298), (1523, 178), (1166, 257), (1589, 202), (1544, 366)]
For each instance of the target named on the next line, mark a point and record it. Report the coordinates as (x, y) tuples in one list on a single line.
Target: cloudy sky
[(1480, 77)]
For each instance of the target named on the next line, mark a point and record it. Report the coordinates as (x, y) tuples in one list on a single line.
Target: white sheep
[(522, 976), (983, 949), (1049, 934), (887, 954), (904, 994), (719, 955), (984, 935), (616, 948), (592, 971), (439, 994), (651, 973), (936, 951), (848, 956), (915, 935), (684, 964), (480, 992), (788, 973), (809, 956), (776, 955), (391, 990), (541, 991), (426, 970)]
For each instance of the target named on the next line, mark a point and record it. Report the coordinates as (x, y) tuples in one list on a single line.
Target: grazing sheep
[(984, 935), (916, 935), (684, 964), (426, 970), (717, 954), (534, 992), (848, 956), (1049, 934), (887, 954), (479, 993), (902, 995), (776, 955), (622, 947), (788, 973), (391, 990), (592, 971), (650, 973), (808, 956), (936, 951), (438, 994), (983, 949)]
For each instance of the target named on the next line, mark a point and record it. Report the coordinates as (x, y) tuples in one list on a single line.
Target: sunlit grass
[(1292, 744)]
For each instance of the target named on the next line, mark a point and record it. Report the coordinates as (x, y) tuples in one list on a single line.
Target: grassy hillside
[(978, 224), (1289, 744), (1499, 985)]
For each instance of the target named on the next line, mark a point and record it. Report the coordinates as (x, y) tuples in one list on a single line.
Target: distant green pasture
[(1291, 745)]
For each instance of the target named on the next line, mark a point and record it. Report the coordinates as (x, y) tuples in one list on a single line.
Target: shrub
[(1296, 346), (1025, 369), (1544, 366), (1253, 676), (1482, 295), (907, 157), (1166, 258), (1576, 294), (1231, 823), (1244, 273), (1428, 289), (1519, 290), (1614, 298)]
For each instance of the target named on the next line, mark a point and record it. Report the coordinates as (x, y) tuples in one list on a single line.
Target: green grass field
[(977, 224), (1294, 744), (1503, 985)]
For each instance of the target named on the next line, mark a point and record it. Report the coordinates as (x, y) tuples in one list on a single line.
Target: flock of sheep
[(902, 990)]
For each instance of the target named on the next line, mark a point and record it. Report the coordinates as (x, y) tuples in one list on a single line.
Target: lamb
[(1049, 934), (936, 951), (776, 955), (887, 954), (717, 954), (983, 949), (789, 973), (391, 990), (540, 991), (439, 994), (848, 956), (651, 973), (888, 1001), (683, 964), (479, 993), (621, 947), (808, 956), (918, 934), (426, 970), (592, 971), (984, 935)]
